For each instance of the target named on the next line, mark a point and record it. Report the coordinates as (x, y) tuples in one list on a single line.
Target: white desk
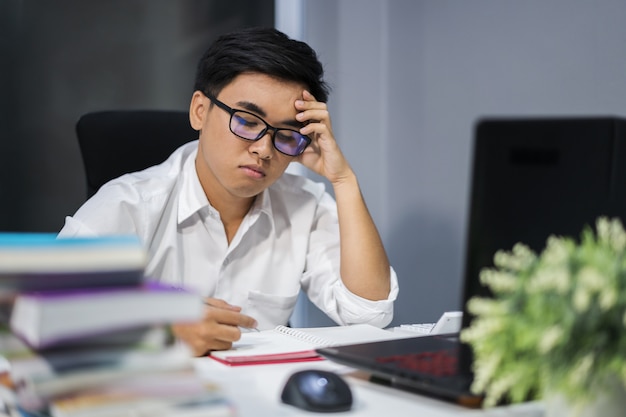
[(255, 391)]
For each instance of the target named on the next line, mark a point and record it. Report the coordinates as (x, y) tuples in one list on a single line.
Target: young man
[(219, 216)]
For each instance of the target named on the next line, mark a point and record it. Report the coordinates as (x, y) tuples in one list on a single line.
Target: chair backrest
[(116, 142)]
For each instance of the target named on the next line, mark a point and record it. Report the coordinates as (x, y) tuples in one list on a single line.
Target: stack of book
[(86, 333)]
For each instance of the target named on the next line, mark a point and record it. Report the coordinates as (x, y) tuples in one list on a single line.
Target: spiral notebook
[(285, 344)]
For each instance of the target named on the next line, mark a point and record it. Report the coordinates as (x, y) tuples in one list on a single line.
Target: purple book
[(45, 319)]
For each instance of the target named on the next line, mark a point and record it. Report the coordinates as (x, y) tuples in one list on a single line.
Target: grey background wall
[(411, 78)]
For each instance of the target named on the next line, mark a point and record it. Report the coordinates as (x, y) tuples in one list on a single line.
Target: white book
[(129, 383), (37, 380), (47, 319), (172, 394)]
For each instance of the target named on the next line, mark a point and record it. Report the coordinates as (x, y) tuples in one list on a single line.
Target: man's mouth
[(254, 171)]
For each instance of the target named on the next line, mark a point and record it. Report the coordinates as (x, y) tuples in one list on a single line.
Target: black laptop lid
[(537, 177)]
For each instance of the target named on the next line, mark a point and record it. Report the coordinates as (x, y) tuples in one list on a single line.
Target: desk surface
[(255, 391)]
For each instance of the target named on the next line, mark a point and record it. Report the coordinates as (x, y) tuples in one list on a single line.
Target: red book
[(284, 344)]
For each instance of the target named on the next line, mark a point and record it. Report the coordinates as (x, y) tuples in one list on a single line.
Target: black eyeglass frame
[(268, 126)]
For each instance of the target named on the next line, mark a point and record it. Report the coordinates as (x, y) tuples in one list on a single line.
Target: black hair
[(262, 50)]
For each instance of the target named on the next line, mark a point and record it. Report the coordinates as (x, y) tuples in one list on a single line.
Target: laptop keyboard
[(423, 328), (436, 363)]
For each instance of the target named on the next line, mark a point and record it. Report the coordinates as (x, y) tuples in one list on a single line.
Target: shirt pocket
[(270, 310)]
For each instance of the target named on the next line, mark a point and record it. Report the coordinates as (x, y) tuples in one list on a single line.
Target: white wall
[(411, 77)]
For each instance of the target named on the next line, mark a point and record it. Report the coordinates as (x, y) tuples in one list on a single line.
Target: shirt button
[(226, 261)]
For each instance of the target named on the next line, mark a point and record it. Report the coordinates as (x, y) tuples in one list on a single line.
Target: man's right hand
[(219, 328)]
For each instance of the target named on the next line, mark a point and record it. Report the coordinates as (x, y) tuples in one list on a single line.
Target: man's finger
[(218, 303)]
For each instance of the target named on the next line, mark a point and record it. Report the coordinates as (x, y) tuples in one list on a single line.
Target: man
[(219, 217)]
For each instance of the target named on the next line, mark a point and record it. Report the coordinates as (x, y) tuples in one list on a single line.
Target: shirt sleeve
[(352, 309), (74, 228), (114, 209)]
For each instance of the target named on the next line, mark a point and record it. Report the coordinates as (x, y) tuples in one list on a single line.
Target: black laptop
[(531, 178)]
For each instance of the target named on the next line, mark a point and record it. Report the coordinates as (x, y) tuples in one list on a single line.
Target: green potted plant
[(555, 328)]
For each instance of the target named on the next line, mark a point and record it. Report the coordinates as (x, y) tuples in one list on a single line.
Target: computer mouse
[(317, 390)]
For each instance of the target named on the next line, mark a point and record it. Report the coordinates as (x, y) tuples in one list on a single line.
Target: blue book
[(41, 262)]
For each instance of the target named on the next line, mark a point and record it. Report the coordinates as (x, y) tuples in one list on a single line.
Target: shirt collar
[(192, 198), (262, 205)]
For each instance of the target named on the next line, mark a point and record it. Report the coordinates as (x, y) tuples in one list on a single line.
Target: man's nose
[(263, 147)]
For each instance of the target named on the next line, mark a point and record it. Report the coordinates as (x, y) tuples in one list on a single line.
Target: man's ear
[(198, 110)]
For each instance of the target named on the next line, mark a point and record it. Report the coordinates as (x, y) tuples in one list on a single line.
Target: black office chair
[(116, 142)]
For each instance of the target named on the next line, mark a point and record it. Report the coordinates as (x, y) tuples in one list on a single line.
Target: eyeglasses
[(251, 127)]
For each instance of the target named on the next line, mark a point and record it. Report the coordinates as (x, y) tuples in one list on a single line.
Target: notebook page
[(282, 342), (348, 335)]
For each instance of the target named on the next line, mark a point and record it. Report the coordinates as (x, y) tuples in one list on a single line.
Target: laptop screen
[(537, 177)]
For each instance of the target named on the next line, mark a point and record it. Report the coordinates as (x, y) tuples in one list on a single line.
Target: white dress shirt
[(289, 240)]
